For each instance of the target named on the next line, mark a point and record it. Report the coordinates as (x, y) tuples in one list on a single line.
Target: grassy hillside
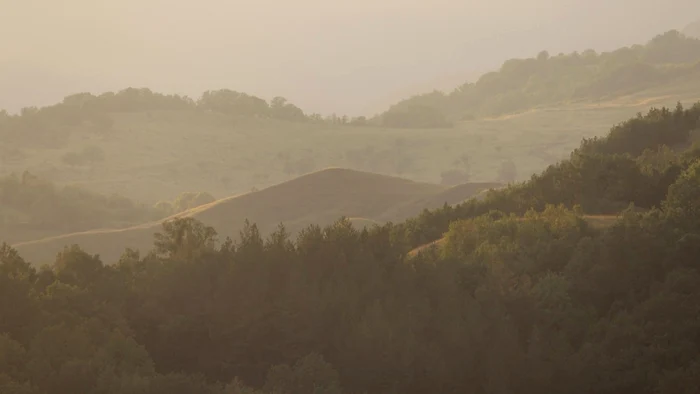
[(150, 147), (545, 80), (316, 198), (156, 155)]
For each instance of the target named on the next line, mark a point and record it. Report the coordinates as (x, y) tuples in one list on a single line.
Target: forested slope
[(534, 302), (635, 163)]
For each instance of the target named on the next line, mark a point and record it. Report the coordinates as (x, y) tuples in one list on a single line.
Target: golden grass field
[(320, 197)]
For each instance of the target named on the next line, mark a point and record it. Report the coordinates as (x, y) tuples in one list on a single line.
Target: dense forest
[(523, 84), (524, 296)]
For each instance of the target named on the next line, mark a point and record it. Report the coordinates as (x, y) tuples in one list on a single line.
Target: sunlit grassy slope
[(150, 156)]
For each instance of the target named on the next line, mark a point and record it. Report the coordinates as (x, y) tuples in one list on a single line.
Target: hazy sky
[(346, 57)]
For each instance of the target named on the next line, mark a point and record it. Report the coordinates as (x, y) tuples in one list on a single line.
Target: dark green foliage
[(525, 295), (604, 175), (684, 194)]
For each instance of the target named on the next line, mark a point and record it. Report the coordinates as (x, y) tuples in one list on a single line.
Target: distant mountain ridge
[(549, 79)]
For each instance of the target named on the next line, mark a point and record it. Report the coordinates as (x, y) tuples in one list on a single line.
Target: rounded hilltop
[(320, 197)]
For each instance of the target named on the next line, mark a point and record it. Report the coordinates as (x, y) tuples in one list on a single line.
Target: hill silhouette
[(154, 155), (693, 29), (522, 84), (153, 146), (316, 198)]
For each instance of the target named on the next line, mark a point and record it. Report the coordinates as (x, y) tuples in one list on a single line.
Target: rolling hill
[(316, 198), (524, 296), (550, 80), (150, 147), (156, 155)]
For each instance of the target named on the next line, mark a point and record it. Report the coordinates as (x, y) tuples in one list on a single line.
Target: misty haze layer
[(325, 56)]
